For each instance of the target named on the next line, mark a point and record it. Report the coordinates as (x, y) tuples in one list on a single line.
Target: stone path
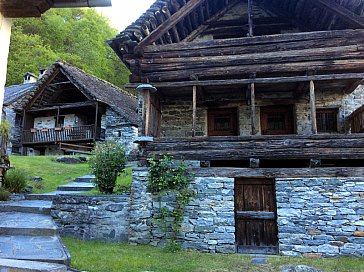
[(29, 239)]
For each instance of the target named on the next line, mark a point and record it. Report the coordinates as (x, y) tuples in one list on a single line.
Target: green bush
[(107, 162), (4, 194), (15, 180)]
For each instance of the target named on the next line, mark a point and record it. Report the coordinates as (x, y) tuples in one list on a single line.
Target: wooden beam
[(194, 102), (170, 22), (313, 107), (194, 34), (250, 18), (280, 172), (147, 113), (252, 107), (344, 14), (269, 80), (96, 119)]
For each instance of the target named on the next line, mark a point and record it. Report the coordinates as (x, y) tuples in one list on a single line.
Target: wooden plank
[(323, 66), (269, 80), (252, 107), (255, 215), (194, 102), (313, 108), (345, 14), (279, 172), (250, 18), (170, 22), (257, 40)]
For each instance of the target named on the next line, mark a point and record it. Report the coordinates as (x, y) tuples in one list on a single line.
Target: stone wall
[(177, 114), (208, 225), (92, 217), (316, 216), (118, 128), (322, 217)]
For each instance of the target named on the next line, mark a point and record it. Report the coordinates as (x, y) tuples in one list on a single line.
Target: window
[(276, 120), (326, 120), (223, 122)]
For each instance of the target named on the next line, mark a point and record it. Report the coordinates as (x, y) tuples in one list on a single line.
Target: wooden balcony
[(65, 134), (288, 147)]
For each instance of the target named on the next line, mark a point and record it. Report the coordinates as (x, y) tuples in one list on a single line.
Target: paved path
[(29, 239)]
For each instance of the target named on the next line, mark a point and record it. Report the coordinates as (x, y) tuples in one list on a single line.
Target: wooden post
[(250, 18), (252, 107), (57, 120), (147, 112), (96, 120), (313, 107), (194, 102)]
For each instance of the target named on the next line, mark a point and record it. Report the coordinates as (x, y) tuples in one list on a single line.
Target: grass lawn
[(96, 256), (52, 172)]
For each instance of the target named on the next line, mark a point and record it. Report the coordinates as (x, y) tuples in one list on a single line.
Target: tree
[(77, 36)]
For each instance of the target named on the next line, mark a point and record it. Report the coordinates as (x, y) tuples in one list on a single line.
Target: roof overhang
[(31, 8)]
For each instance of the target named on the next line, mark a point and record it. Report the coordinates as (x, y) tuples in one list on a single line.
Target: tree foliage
[(77, 36)]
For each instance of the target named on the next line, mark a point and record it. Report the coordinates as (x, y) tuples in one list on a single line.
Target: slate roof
[(95, 88), (15, 92)]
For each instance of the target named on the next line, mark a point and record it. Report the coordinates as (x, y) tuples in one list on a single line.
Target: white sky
[(124, 12)]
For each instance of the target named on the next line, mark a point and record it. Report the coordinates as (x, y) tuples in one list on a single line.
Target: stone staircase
[(29, 239)]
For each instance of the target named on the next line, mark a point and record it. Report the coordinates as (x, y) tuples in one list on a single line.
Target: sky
[(124, 12)]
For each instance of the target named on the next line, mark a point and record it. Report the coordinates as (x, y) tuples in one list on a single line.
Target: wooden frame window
[(276, 120), (327, 120), (223, 122)]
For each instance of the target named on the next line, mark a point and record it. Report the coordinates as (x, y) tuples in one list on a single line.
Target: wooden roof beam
[(170, 22), (271, 80), (345, 14)]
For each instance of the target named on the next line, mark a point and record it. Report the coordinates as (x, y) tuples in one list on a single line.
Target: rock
[(259, 261), (28, 189), (299, 268), (69, 160), (37, 178)]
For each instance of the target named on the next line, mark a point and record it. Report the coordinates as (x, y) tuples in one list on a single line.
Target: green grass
[(124, 180), (96, 256), (52, 172)]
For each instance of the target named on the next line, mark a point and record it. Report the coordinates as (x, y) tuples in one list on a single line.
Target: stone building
[(67, 110), (258, 96)]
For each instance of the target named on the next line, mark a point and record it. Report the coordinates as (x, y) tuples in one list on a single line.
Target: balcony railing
[(64, 134)]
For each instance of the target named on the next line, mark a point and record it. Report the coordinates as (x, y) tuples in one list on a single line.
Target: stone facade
[(177, 114), (316, 216), (92, 217), (320, 216), (208, 225), (116, 127)]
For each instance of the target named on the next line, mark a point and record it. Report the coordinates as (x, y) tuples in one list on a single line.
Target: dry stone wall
[(320, 216), (92, 217)]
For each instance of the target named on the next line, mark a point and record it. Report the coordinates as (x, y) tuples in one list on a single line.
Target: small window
[(223, 122), (18, 120), (276, 120), (326, 120)]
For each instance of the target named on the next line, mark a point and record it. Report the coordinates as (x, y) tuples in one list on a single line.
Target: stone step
[(27, 206), (76, 186), (50, 196), (48, 249), (86, 178), (10, 265), (30, 224)]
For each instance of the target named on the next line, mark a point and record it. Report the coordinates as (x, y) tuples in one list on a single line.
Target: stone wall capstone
[(92, 217), (320, 216)]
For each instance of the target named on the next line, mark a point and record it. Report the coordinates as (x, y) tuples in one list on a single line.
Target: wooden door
[(255, 216)]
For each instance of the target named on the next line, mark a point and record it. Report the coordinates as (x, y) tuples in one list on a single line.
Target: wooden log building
[(258, 95)]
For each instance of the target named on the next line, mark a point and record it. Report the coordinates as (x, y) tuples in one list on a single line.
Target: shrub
[(4, 194), (15, 180), (107, 162)]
